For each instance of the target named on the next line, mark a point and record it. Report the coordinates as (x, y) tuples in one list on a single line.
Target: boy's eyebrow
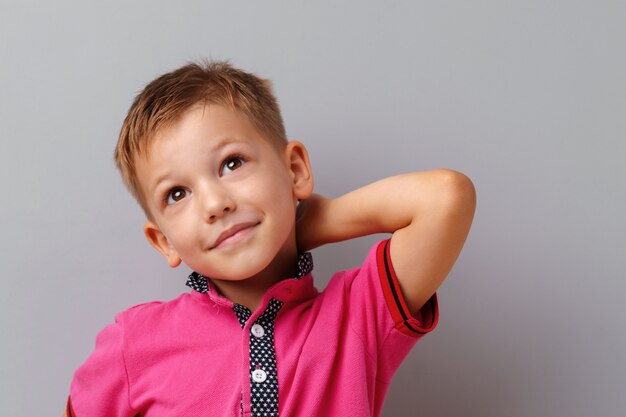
[(158, 181), (226, 140)]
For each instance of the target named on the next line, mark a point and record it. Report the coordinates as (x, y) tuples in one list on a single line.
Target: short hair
[(165, 99)]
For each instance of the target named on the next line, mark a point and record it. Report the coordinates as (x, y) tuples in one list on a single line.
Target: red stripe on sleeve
[(69, 411), (400, 313)]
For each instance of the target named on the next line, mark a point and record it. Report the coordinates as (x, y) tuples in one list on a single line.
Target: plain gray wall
[(527, 98)]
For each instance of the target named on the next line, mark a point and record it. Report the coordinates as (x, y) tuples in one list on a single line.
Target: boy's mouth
[(233, 234)]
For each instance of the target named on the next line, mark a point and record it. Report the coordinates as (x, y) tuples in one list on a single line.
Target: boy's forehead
[(217, 124), (207, 128)]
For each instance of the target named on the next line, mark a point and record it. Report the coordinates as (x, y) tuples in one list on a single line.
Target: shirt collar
[(203, 285)]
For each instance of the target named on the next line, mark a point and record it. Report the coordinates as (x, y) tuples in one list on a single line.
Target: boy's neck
[(250, 291)]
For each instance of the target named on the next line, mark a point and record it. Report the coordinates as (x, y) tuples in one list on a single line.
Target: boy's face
[(222, 198)]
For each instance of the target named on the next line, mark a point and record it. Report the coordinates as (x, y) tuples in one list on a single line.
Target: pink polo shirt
[(302, 353)]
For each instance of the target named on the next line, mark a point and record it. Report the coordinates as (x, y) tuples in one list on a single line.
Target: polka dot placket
[(263, 373)]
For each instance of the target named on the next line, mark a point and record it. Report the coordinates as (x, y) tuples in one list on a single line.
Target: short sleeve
[(379, 313), (100, 386), (425, 320)]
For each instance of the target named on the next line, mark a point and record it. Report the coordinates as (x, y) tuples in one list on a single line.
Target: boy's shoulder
[(153, 312)]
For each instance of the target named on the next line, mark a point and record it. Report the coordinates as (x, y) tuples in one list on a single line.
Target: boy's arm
[(428, 212)]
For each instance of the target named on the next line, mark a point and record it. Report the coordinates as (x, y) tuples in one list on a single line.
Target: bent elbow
[(460, 193)]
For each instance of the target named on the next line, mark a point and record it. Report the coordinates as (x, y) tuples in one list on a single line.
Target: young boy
[(204, 151)]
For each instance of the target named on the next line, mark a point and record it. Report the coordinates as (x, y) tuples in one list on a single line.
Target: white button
[(259, 375), (258, 331)]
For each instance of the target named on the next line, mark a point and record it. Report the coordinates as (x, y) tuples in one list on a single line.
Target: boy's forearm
[(384, 206)]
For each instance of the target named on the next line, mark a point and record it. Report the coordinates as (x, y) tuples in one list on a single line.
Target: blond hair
[(164, 100)]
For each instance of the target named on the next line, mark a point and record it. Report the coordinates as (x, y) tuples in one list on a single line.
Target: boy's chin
[(229, 277), (267, 262), (250, 272)]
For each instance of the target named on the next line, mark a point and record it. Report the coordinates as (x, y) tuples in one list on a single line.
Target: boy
[(204, 151)]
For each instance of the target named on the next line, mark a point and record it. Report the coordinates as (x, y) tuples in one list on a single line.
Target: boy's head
[(165, 99), (203, 150)]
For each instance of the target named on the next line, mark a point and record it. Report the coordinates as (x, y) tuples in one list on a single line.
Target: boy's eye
[(176, 194), (231, 164)]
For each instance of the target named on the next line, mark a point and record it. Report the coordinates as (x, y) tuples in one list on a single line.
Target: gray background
[(527, 98)]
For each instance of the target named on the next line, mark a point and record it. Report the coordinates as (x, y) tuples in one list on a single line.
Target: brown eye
[(231, 164), (175, 195)]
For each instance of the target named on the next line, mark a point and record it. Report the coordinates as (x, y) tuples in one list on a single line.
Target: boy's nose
[(217, 204)]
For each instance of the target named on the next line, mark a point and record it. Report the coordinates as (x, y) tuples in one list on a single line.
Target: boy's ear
[(300, 168), (159, 241)]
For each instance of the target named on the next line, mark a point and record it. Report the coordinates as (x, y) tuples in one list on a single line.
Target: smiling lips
[(233, 234)]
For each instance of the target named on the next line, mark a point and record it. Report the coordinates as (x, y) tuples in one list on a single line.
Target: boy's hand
[(310, 222)]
